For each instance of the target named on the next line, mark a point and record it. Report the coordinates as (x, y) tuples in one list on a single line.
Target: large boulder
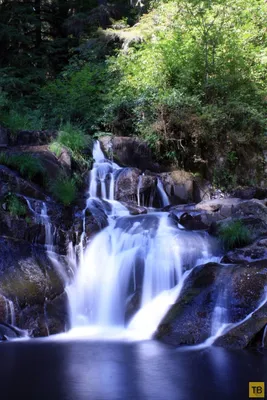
[(33, 283), (32, 138), (10, 181), (129, 181), (179, 186), (129, 152), (238, 288), (253, 252)]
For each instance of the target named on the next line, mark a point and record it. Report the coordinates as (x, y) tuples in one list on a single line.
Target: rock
[(222, 206), (249, 193), (129, 152), (126, 184), (9, 332), (134, 209), (253, 252), (3, 137), (201, 190), (33, 138), (251, 208), (179, 186), (35, 285), (189, 320), (10, 181), (192, 222), (241, 335)]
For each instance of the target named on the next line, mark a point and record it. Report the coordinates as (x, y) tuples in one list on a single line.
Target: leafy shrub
[(15, 206), (64, 189), (73, 137), (234, 234), (56, 148), (27, 120), (27, 165)]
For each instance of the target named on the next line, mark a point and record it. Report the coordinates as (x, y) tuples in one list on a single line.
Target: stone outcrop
[(129, 152), (35, 286), (127, 183), (32, 138), (189, 321)]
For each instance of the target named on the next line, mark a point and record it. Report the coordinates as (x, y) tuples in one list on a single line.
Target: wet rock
[(244, 334), (129, 152), (191, 222), (126, 186), (10, 181), (35, 284), (253, 252), (134, 209), (33, 138), (189, 320), (8, 331), (249, 193), (179, 186)]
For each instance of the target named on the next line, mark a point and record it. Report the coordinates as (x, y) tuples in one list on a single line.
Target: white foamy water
[(143, 255)]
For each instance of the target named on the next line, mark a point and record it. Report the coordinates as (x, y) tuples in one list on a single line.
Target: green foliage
[(235, 234), (27, 165), (64, 189), (56, 148), (79, 144), (73, 137), (17, 120), (15, 206), (76, 96)]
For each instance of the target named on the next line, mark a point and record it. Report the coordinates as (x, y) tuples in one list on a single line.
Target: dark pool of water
[(46, 370)]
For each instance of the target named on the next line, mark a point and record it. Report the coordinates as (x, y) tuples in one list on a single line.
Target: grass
[(15, 120), (15, 206), (64, 189), (235, 234), (74, 138), (26, 164)]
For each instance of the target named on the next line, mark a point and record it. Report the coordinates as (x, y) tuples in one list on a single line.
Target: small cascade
[(10, 312), (162, 194), (140, 199), (226, 327), (102, 175), (220, 313), (49, 235), (264, 337), (43, 218), (145, 252)]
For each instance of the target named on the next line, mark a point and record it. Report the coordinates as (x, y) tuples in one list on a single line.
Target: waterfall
[(162, 194), (10, 312), (264, 336), (140, 201), (43, 218), (102, 175), (144, 256)]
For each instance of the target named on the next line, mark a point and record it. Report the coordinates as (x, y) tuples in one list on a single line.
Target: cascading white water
[(140, 197), (10, 312), (102, 175), (43, 218), (145, 256), (163, 195), (145, 251)]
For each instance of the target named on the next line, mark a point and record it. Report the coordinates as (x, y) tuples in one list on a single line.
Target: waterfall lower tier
[(141, 257)]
